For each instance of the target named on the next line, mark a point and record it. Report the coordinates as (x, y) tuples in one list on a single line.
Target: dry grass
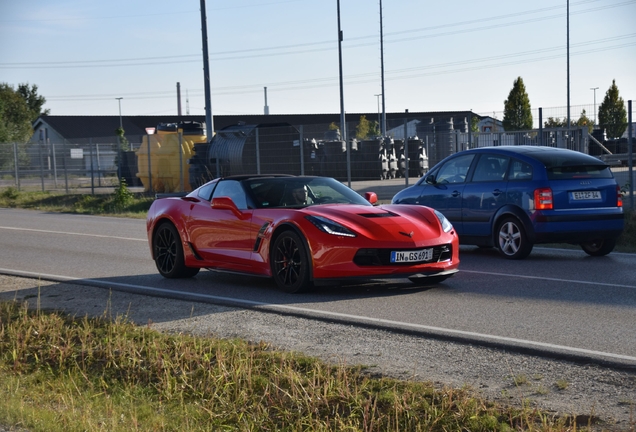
[(63, 374)]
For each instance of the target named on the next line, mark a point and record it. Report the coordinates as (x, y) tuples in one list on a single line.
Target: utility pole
[(343, 125), (206, 77), (383, 125), (568, 55)]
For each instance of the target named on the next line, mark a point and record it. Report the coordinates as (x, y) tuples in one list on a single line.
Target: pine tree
[(517, 113), (612, 115)]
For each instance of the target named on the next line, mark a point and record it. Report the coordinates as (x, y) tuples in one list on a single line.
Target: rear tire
[(290, 263), (168, 253), (512, 240), (599, 247)]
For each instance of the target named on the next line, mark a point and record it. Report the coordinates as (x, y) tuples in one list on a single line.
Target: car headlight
[(330, 227), (446, 225)]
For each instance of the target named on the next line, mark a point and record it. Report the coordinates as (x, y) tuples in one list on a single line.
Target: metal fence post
[(302, 153), (64, 165), (180, 135), (90, 146), (540, 126), (630, 146), (40, 144), (15, 161), (258, 154), (54, 163), (406, 150), (99, 166)]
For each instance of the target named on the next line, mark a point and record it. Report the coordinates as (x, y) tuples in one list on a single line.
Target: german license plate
[(586, 195), (411, 256)]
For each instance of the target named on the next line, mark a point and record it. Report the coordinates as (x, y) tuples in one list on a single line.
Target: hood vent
[(377, 215)]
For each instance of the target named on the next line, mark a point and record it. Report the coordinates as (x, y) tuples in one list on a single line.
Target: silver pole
[(406, 149), (181, 160), (631, 156), (568, 55), (206, 76), (343, 125), (594, 88), (120, 122), (383, 126)]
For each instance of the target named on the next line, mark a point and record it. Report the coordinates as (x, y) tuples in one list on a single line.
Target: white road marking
[(71, 233), (357, 318), (550, 279)]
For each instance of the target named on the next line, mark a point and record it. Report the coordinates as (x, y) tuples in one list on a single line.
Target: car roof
[(542, 153)]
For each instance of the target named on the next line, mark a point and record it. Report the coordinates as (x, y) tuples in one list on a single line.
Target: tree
[(612, 115), (124, 144), (584, 121), (15, 116), (474, 123), (517, 114), (34, 101), (555, 122), (367, 129), (15, 126)]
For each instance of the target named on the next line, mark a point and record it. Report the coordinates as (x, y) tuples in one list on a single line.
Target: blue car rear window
[(581, 171)]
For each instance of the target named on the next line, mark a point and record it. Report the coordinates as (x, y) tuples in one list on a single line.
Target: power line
[(231, 55)]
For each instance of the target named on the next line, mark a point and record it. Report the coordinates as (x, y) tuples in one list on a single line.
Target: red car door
[(224, 237)]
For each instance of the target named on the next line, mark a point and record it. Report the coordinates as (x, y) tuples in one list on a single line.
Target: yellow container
[(143, 160), (168, 161)]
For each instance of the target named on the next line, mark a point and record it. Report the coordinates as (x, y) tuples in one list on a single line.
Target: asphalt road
[(557, 302)]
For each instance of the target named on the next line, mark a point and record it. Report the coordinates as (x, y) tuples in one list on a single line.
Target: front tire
[(290, 263), (599, 247), (168, 253), (512, 240)]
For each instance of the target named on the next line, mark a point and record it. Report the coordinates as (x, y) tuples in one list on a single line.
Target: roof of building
[(79, 127)]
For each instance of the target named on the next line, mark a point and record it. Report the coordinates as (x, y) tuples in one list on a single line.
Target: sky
[(438, 56)]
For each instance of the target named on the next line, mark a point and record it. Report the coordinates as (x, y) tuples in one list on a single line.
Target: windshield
[(300, 192)]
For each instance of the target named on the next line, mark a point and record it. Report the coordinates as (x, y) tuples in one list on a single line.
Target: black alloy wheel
[(290, 264), (512, 240), (599, 247), (168, 252)]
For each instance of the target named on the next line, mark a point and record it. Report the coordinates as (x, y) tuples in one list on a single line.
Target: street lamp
[(594, 88)]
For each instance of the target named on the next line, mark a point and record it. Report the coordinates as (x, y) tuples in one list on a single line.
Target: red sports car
[(302, 231)]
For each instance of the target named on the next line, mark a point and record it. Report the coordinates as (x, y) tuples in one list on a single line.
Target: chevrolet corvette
[(299, 230)]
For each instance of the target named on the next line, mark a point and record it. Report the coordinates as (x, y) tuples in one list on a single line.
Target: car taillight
[(543, 199), (619, 196)]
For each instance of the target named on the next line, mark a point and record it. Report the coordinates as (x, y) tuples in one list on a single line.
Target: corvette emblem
[(407, 234)]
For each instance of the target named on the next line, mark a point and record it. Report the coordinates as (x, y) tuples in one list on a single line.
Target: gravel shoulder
[(560, 387)]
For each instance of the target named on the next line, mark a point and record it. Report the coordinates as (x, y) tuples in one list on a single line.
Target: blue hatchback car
[(513, 197)]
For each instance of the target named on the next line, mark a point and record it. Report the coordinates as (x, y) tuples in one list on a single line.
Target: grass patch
[(59, 373), (121, 203)]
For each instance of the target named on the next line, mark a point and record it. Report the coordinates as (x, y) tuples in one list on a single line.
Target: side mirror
[(225, 203), (372, 197), (430, 179)]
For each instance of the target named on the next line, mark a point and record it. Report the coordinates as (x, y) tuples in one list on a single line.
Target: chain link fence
[(177, 163)]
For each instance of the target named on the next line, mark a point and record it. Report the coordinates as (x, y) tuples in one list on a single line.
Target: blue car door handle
[(455, 194), (496, 192)]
